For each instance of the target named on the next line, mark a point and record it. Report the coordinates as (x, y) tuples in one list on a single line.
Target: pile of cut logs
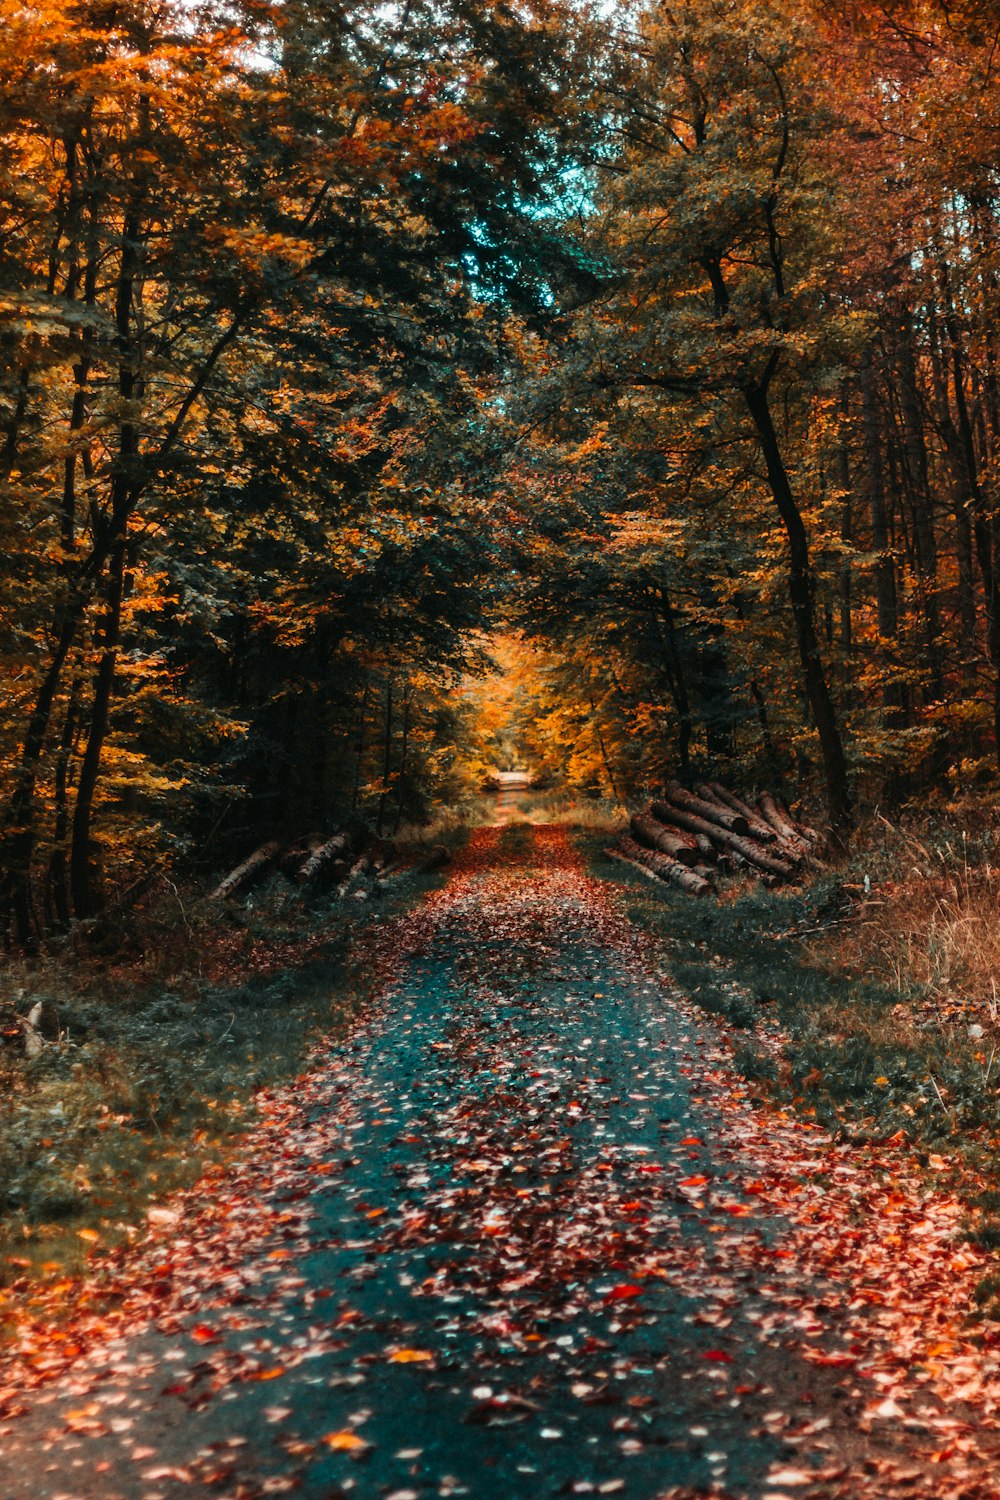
[(347, 863), (688, 838)]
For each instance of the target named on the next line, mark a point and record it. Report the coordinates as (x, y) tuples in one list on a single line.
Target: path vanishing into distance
[(523, 1232)]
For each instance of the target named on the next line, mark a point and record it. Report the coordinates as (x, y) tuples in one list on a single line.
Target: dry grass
[(602, 817), (927, 923)]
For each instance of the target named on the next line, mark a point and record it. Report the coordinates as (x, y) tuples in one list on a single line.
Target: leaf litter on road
[(524, 1231)]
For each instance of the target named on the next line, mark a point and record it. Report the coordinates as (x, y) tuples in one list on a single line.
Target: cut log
[(669, 841), (711, 812), (294, 857), (809, 834), (245, 874), (633, 864), (790, 837), (791, 840), (705, 847), (317, 863), (755, 854), (781, 825), (759, 829), (660, 866), (360, 867)]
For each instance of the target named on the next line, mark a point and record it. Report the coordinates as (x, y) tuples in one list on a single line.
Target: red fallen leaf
[(652, 1167), (623, 1293), (718, 1356), (269, 1374), (691, 1140), (698, 1181), (202, 1334), (830, 1361)]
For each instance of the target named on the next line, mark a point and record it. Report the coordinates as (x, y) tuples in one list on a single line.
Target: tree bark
[(654, 835), (662, 868), (710, 811), (245, 874), (323, 857), (803, 600), (757, 827), (771, 864), (86, 900)]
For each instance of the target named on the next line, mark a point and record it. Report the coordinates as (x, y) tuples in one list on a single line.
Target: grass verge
[(850, 1044), (151, 1065)]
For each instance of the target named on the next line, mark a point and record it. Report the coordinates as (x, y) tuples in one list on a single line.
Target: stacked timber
[(351, 862), (687, 837)]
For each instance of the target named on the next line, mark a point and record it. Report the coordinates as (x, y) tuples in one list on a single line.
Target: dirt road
[(523, 1233)]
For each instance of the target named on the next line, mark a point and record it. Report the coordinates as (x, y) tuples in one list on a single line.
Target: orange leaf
[(345, 1441)]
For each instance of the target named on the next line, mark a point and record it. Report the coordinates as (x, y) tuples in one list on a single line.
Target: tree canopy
[(338, 339)]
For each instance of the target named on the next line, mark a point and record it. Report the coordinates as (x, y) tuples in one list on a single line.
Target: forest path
[(522, 1233)]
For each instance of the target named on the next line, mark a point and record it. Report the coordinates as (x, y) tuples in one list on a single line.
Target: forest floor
[(525, 1230)]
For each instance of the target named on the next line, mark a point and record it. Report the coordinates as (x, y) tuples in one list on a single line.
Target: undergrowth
[(151, 1062), (849, 1043)]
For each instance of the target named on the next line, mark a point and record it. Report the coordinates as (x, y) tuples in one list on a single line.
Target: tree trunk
[(386, 759), (86, 901), (886, 596), (404, 751), (802, 592)]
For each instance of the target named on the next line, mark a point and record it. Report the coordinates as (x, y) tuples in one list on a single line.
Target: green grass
[(854, 1058), (147, 1084)]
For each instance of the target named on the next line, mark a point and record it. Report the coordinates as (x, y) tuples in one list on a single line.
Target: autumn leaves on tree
[(336, 337)]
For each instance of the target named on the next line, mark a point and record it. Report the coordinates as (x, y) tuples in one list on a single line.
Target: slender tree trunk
[(58, 867), (386, 759), (604, 751), (960, 503), (665, 621), (404, 751), (984, 524), (8, 459), (21, 822), (846, 630), (924, 538), (361, 745), (886, 596), (801, 588), (85, 899)]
